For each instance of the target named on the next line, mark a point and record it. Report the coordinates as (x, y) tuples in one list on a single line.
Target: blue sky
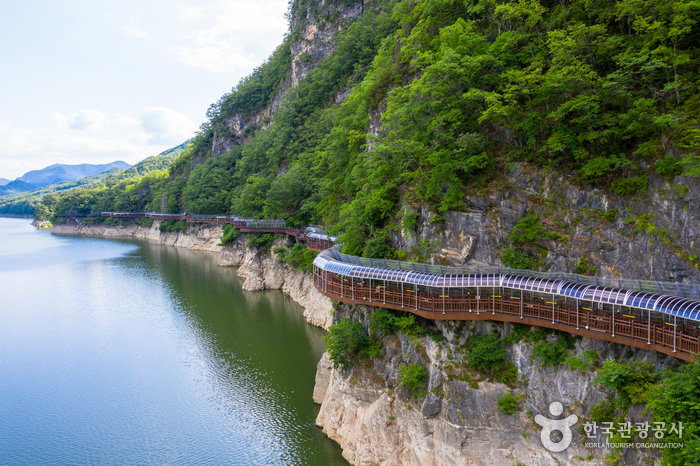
[(96, 81)]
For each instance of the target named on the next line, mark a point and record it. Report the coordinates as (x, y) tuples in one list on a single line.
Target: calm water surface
[(123, 352)]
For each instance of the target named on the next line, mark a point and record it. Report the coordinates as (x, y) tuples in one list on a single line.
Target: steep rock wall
[(646, 237), (378, 423)]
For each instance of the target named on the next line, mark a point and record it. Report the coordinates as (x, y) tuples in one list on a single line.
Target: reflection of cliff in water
[(257, 346)]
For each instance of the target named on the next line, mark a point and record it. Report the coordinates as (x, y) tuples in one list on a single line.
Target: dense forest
[(601, 89)]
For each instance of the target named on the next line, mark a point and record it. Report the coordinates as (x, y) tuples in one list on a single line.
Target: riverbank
[(261, 271)]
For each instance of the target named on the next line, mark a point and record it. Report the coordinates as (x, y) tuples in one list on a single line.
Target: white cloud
[(165, 125), (90, 120), (190, 12), (131, 30), (242, 34), (122, 137)]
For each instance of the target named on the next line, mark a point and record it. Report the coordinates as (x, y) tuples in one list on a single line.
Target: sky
[(91, 81)]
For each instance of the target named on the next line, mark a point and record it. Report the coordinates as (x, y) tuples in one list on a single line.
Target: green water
[(124, 352)]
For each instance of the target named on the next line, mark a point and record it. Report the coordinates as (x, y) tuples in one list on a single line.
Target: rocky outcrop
[(653, 237), (458, 422), (261, 271)]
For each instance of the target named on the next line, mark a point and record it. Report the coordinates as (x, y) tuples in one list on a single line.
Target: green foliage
[(146, 222), (507, 374), (585, 267), (508, 404), (529, 229), (632, 381), (408, 325), (603, 411), (413, 378), (554, 353), (518, 332), (677, 399), (346, 342), (230, 234), (173, 226), (669, 167), (301, 258), (633, 186), (584, 362), (485, 352), (382, 321), (261, 241), (518, 260)]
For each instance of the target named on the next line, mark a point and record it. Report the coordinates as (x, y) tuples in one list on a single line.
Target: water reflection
[(125, 352)]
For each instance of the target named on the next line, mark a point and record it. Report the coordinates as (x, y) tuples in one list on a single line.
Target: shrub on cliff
[(348, 341), (301, 258), (485, 352), (230, 235), (508, 404), (413, 377)]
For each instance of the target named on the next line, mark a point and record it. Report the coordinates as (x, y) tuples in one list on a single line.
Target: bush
[(301, 258), (632, 381), (636, 185), (603, 411), (173, 226), (146, 222), (518, 333), (413, 377), (229, 236), (584, 362), (554, 353), (382, 321), (345, 342), (518, 260), (408, 325), (261, 241), (585, 267), (669, 167), (507, 374), (508, 404), (485, 352)]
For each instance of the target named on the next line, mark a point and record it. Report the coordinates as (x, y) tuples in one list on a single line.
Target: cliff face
[(647, 237), (313, 40), (458, 422), (261, 271)]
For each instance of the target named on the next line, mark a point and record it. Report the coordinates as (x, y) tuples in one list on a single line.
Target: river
[(125, 352)]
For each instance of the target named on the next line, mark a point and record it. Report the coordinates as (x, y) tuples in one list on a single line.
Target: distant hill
[(23, 203), (156, 162), (4, 181), (56, 173)]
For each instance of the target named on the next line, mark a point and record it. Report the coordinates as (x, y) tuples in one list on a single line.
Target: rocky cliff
[(654, 236), (457, 422), (261, 270)]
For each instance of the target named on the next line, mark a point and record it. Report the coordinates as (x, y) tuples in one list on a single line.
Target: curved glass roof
[(418, 274)]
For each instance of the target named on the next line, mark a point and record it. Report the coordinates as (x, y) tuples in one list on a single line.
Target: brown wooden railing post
[(553, 301), (521, 303), (352, 286), (416, 296), (576, 313), (674, 333), (649, 328), (402, 294), (443, 299), (384, 291), (613, 321), (478, 299), (494, 300)]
